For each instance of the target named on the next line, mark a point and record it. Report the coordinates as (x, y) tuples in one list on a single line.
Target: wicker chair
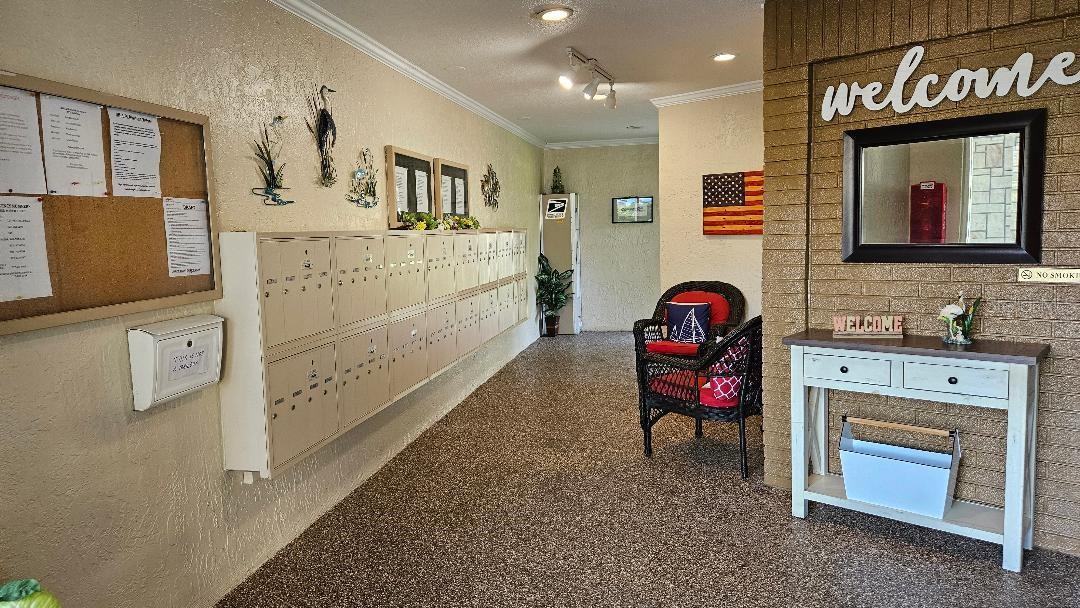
[(683, 385), (651, 329)]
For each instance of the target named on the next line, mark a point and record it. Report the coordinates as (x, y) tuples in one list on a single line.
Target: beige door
[(466, 270), (365, 374), (442, 337), (468, 325), (507, 307), (440, 266), (408, 353), (286, 386), (271, 280), (489, 314)]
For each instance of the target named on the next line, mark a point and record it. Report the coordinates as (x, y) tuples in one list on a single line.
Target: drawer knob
[(953, 380), (843, 369)]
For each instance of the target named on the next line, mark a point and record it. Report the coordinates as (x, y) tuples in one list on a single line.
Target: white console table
[(992, 374)]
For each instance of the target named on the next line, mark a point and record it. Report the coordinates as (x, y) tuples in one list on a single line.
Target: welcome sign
[(841, 99)]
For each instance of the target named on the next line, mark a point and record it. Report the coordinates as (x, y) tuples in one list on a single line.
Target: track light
[(597, 76), (590, 89)]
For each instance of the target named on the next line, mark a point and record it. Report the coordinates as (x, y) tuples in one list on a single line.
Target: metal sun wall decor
[(490, 188), (841, 99), (322, 128), (272, 172), (363, 191)]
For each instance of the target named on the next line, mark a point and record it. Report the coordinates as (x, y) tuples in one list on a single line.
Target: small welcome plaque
[(868, 326)]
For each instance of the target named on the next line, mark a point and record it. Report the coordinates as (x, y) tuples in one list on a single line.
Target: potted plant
[(552, 292), (26, 593)]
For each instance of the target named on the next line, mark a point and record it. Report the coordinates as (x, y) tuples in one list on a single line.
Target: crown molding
[(335, 26), (601, 143), (740, 88)]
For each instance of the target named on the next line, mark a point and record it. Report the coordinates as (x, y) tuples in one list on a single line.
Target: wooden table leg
[(1016, 474), (799, 448), (1032, 439)]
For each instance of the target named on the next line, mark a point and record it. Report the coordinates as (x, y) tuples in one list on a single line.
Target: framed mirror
[(964, 190)]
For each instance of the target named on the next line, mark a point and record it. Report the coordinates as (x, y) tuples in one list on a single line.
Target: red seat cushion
[(670, 347), (719, 309), (677, 385)]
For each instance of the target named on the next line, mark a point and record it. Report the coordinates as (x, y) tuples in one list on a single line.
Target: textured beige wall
[(863, 43), (715, 136), (620, 262), (109, 507)]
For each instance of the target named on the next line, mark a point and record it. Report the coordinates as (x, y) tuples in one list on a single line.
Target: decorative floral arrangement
[(460, 222), (363, 189), (420, 220), (958, 318)]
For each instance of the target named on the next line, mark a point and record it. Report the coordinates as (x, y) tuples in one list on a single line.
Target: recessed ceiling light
[(723, 57), (554, 13)]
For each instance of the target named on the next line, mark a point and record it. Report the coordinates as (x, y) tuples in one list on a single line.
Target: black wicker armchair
[(723, 384), (651, 330)]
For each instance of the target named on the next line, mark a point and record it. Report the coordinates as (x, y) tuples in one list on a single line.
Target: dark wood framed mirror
[(964, 190)]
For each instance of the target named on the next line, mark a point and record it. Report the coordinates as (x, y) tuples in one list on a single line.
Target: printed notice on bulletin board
[(187, 236)]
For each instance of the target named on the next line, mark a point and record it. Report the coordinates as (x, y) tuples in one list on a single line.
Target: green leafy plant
[(460, 222), (419, 220), (556, 182), (552, 287), (26, 593)]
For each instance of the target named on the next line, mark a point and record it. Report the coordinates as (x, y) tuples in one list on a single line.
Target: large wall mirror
[(965, 190)]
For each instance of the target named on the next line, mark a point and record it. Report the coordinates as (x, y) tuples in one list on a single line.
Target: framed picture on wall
[(452, 189), (408, 184), (632, 210)]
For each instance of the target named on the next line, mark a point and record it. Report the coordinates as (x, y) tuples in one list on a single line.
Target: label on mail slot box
[(187, 362)]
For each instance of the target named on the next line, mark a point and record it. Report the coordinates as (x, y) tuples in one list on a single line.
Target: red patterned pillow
[(723, 379)]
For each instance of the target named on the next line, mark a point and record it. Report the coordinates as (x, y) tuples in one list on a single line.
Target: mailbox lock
[(953, 380), (843, 369)]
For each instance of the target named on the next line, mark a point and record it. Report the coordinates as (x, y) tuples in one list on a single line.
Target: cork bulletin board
[(107, 256)]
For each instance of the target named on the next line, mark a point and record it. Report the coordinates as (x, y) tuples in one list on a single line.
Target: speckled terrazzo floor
[(534, 492)]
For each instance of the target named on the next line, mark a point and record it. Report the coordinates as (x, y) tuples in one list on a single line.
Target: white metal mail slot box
[(172, 358)]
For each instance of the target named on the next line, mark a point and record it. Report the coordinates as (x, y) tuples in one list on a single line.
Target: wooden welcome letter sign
[(878, 326)]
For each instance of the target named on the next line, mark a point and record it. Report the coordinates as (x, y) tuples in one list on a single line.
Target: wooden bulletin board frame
[(396, 156), (454, 170), (84, 309)]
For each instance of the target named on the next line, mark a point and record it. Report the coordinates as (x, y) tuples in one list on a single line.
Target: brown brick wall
[(843, 40)]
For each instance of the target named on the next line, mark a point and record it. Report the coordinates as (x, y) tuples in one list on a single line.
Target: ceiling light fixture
[(597, 73), (610, 102), (723, 57), (590, 89), (554, 13)]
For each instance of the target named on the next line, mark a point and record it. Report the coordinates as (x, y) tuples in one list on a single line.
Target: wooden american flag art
[(733, 203)]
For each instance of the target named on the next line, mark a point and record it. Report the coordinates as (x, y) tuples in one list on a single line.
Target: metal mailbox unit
[(325, 329)]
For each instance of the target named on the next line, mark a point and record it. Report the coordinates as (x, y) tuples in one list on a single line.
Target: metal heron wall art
[(322, 127)]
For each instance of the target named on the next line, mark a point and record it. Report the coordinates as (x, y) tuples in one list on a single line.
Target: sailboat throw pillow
[(687, 322)]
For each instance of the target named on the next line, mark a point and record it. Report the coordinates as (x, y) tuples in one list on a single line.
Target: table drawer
[(848, 369), (960, 380)]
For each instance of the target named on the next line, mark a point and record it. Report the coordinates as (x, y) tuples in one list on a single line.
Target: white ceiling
[(494, 52)]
